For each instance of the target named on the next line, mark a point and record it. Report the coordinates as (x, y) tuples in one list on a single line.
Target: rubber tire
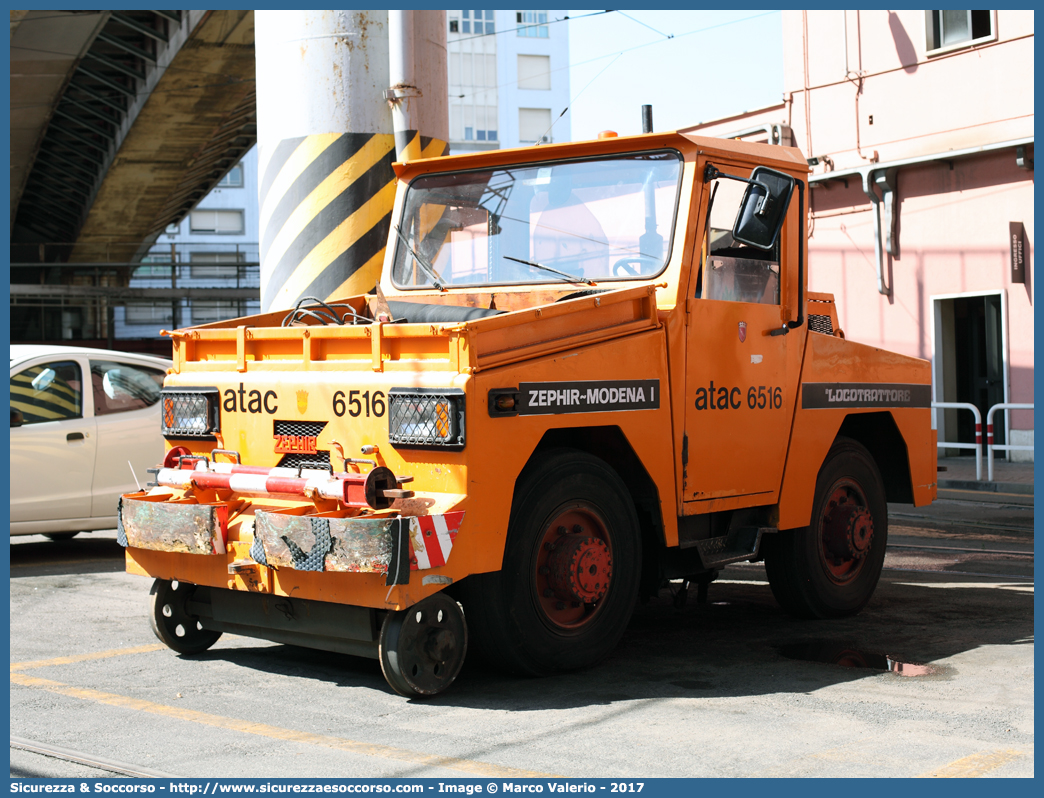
[(792, 558), (503, 616), (57, 537), (194, 640)]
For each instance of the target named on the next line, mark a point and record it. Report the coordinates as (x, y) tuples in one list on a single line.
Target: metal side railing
[(1005, 447), (977, 446)]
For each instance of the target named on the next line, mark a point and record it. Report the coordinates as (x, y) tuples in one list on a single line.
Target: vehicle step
[(740, 543)]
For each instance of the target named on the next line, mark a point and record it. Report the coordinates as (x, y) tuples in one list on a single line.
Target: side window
[(119, 387), (48, 392), (735, 272)]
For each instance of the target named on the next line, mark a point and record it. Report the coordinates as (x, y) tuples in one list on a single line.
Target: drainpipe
[(403, 85), (885, 178)]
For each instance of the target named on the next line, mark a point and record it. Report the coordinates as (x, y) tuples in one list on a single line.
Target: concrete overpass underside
[(120, 123)]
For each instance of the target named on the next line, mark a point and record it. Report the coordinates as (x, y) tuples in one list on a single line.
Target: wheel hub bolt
[(580, 569)]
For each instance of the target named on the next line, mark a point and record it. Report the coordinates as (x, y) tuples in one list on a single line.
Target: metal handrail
[(977, 446), (1006, 447)]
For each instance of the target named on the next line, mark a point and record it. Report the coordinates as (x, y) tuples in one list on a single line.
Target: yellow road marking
[(113, 652), (46, 563), (974, 765), (274, 732), (1018, 587)]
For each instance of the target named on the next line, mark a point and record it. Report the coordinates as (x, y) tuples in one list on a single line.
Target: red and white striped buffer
[(354, 490), (432, 538)]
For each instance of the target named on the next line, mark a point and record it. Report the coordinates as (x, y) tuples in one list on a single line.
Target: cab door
[(741, 370)]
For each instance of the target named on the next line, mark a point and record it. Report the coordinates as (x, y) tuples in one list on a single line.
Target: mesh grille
[(425, 419), (820, 324), (312, 428), (309, 428), (317, 460), (189, 414)]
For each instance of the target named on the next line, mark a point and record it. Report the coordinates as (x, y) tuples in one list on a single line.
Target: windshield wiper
[(427, 267), (564, 275)]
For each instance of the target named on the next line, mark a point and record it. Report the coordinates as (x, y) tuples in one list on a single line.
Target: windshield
[(576, 222)]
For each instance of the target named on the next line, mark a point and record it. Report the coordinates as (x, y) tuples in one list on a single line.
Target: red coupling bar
[(376, 489)]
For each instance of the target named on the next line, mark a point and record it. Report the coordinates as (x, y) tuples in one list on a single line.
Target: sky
[(719, 63)]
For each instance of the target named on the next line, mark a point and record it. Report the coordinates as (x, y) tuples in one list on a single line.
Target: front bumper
[(297, 538)]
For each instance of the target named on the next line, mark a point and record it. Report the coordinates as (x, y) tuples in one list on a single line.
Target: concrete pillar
[(325, 146)]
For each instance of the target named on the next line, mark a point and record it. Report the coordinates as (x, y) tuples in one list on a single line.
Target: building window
[(149, 313), (532, 24), (534, 72), (210, 265), (209, 311), (948, 29), (454, 26), (476, 22), (149, 265), (533, 124), (233, 179), (222, 222)]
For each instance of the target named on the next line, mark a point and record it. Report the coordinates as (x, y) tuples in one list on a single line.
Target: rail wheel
[(171, 621), (572, 563), (422, 649), (830, 568)]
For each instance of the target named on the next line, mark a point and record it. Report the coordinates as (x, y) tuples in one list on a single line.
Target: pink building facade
[(918, 126)]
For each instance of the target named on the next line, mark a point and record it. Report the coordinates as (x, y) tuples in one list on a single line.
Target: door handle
[(74, 436)]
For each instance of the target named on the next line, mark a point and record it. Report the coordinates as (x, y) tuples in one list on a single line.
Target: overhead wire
[(674, 37), (517, 26)]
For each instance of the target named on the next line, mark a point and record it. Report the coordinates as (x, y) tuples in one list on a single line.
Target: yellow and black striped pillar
[(326, 197), (326, 203)]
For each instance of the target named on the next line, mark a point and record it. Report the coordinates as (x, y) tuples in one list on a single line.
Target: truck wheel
[(830, 568), (422, 649), (571, 569), (60, 536), (171, 622)]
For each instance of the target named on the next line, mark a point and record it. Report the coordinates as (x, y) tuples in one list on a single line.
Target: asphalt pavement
[(933, 678)]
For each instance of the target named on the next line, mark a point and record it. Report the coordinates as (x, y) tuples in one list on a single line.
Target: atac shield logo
[(302, 401), (742, 331)]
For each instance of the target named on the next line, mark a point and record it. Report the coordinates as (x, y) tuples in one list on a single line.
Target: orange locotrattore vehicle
[(587, 369)]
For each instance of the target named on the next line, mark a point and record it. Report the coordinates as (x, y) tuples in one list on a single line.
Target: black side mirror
[(763, 208), (17, 419)]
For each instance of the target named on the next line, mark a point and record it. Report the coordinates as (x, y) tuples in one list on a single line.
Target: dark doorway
[(979, 362)]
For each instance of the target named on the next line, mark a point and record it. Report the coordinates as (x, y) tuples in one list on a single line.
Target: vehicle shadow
[(728, 647), (87, 553)]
